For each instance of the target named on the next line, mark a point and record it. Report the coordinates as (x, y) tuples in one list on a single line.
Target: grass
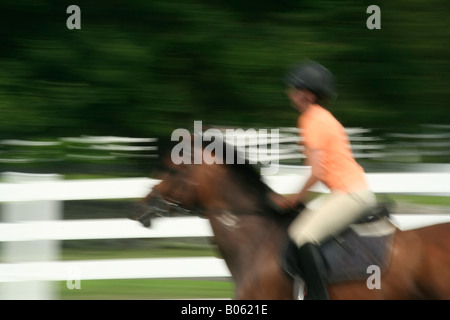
[(143, 289), (422, 200)]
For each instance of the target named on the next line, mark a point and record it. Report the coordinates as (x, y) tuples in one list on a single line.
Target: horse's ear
[(163, 162)]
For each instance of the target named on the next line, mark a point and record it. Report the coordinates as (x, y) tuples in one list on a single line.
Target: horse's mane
[(245, 174), (248, 175)]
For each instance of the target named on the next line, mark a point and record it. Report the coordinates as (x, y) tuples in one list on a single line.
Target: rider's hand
[(293, 201), (284, 203)]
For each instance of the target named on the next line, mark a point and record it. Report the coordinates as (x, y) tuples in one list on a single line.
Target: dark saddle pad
[(366, 243), (349, 255)]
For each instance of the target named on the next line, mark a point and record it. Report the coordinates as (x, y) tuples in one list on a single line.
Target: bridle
[(168, 205), (159, 206)]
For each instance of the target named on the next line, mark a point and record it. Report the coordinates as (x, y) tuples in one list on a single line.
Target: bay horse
[(250, 236)]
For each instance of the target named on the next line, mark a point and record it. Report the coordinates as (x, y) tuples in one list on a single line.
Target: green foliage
[(144, 68)]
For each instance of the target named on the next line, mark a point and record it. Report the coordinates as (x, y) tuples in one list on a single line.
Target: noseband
[(158, 206), (169, 205)]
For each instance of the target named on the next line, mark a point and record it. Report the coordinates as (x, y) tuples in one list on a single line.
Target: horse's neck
[(243, 238), (236, 213)]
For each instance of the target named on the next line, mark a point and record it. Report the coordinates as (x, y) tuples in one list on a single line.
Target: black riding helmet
[(314, 77)]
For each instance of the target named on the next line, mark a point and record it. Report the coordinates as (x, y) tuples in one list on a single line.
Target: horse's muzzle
[(141, 212), (157, 207)]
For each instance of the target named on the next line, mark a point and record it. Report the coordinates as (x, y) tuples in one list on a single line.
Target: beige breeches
[(330, 216)]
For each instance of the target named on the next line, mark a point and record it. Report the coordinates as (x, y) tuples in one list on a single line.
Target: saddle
[(348, 256)]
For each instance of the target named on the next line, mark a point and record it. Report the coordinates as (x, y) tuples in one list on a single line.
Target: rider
[(327, 149)]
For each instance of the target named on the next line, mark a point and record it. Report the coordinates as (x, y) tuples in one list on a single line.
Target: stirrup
[(299, 291)]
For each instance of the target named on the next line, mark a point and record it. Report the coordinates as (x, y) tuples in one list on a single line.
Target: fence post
[(28, 287)]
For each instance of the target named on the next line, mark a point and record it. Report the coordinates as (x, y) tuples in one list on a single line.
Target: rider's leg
[(313, 270), (313, 227), (332, 216)]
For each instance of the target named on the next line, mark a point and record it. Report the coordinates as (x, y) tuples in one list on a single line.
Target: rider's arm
[(316, 160), (301, 196)]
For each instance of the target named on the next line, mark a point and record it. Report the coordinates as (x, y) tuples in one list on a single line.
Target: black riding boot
[(312, 265)]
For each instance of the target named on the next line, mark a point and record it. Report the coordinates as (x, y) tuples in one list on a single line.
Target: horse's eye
[(171, 171)]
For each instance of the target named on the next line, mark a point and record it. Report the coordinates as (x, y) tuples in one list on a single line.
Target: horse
[(250, 236)]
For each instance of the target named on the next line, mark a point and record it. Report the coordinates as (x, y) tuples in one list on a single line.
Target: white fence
[(18, 275), (429, 140)]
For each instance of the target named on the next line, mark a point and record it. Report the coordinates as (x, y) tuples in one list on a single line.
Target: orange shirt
[(338, 169)]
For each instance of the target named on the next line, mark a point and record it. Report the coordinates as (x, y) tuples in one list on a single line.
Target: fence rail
[(428, 141), (52, 231), (429, 183), (176, 227), (152, 268)]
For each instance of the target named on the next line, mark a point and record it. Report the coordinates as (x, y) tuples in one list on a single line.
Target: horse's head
[(176, 194), (235, 186)]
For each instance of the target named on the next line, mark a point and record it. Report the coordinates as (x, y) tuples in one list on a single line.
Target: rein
[(168, 205), (159, 207)]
